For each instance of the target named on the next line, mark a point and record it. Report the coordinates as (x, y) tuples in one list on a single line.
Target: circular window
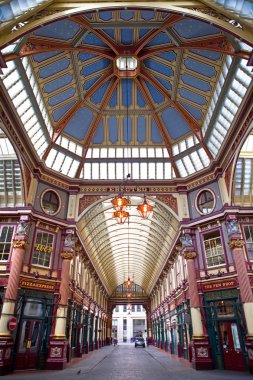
[(50, 202), (205, 202)]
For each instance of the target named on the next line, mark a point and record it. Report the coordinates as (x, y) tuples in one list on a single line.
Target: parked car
[(139, 342)]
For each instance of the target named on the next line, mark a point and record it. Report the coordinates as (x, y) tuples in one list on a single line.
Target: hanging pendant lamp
[(121, 216), (145, 208)]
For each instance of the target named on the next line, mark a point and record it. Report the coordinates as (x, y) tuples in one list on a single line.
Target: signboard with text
[(222, 284)]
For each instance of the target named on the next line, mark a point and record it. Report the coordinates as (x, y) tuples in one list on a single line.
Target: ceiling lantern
[(119, 202), (145, 208), (121, 216)]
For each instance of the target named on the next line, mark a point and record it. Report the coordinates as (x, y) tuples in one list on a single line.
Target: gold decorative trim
[(67, 255), (236, 243), (189, 255), (19, 243)]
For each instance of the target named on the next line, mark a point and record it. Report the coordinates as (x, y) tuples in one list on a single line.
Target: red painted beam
[(159, 124), (100, 34), (95, 123), (37, 45), (59, 127), (216, 43), (153, 33), (192, 123)]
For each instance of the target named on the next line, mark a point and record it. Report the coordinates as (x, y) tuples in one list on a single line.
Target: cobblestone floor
[(125, 362)]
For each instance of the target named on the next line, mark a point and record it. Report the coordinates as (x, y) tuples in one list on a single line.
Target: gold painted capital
[(236, 243), (189, 255), (19, 243), (67, 255)]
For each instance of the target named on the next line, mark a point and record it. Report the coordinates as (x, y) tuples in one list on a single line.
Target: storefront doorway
[(231, 346), (35, 321), (226, 330)]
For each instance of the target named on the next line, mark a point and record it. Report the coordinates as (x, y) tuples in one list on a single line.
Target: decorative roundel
[(50, 202), (205, 201)]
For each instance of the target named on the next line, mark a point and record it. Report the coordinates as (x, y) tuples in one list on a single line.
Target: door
[(28, 344), (231, 346)]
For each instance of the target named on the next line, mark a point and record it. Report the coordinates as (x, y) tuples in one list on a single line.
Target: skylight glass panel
[(51, 157), (89, 153), (79, 150), (159, 152), (95, 152), (66, 166), (238, 87), (103, 170), (175, 149), (166, 153), (119, 170), (182, 146), (159, 170), (135, 170), (119, 152), (87, 170), (143, 170), (167, 170), (103, 153), (188, 165), (196, 161), (111, 170), (143, 152), (181, 168), (151, 152), (58, 161), (151, 171), (135, 152), (73, 169), (111, 152)]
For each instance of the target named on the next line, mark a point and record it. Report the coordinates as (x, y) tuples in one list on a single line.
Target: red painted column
[(237, 244), (19, 243), (57, 351), (200, 346)]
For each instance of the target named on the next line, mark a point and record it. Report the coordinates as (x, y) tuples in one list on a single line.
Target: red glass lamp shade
[(128, 283), (129, 295), (119, 202), (145, 209), (121, 215)]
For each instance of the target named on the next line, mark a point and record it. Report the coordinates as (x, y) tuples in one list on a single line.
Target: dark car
[(139, 342)]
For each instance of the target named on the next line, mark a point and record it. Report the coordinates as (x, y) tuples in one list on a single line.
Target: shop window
[(50, 202), (205, 202), (6, 233), (225, 308), (213, 249), (43, 249), (248, 231)]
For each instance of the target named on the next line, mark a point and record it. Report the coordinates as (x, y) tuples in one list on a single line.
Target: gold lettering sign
[(36, 285), (220, 285), (43, 248)]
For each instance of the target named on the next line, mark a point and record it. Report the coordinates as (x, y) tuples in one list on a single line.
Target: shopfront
[(226, 329), (35, 319)]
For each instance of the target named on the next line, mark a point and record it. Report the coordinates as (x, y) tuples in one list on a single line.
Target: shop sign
[(37, 285), (224, 284)]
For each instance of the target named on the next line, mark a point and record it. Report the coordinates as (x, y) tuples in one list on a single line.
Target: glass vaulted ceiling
[(140, 245), (168, 118)]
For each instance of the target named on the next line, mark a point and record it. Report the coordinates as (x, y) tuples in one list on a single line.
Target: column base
[(249, 345), (57, 354), (201, 355), (6, 355)]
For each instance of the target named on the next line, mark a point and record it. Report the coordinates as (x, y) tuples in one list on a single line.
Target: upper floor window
[(248, 231), (50, 202), (139, 308), (213, 249), (205, 202), (43, 249), (6, 233), (116, 309)]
